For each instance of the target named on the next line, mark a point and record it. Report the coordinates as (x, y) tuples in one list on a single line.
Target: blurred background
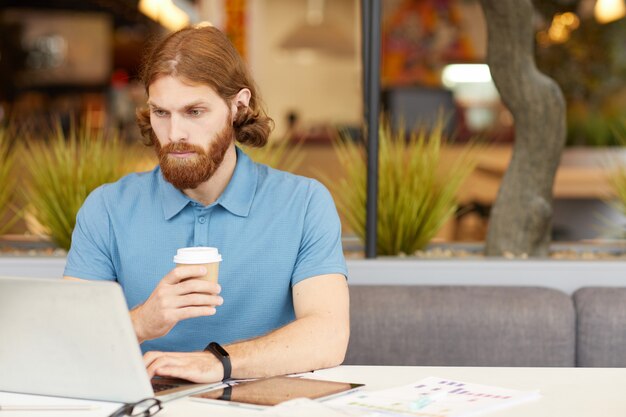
[(69, 59)]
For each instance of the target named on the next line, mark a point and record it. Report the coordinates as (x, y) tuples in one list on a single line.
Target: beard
[(190, 172)]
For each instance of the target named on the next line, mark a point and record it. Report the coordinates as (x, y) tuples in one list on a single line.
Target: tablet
[(271, 391)]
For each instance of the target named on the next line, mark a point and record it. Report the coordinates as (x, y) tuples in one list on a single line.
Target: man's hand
[(178, 296), (199, 367)]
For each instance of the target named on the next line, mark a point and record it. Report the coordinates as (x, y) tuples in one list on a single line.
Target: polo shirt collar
[(172, 199), (239, 193), (236, 198)]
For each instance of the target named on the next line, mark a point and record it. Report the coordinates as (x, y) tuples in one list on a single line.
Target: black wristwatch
[(223, 356)]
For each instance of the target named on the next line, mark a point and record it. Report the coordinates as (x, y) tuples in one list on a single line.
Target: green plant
[(617, 182), (616, 168), (595, 128), (8, 182), (417, 195), (279, 154), (64, 168)]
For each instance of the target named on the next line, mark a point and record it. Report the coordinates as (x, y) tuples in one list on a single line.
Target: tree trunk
[(521, 218)]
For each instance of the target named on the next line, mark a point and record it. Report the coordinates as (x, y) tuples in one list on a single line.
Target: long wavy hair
[(204, 55)]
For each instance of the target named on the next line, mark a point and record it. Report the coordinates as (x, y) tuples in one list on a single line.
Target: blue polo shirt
[(273, 229)]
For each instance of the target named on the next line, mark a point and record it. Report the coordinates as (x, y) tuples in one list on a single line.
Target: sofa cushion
[(461, 326), (601, 326)]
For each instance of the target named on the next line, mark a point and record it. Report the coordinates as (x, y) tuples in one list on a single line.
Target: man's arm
[(318, 338)]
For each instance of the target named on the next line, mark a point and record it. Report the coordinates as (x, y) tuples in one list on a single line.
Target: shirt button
[(202, 220)]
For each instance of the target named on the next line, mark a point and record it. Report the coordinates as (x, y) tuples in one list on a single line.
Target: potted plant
[(417, 194), (8, 182), (63, 168)]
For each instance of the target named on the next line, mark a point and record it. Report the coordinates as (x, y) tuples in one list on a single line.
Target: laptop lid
[(73, 339), (69, 339)]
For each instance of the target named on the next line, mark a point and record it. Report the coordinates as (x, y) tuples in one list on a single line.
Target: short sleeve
[(90, 255), (320, 249)]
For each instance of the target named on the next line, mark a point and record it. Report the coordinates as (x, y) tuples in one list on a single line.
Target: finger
[(150, 357), (160, 362), (191, 312), (174, 371), (153, 354), (183, 369), (198, 286), (191, 300), (184, 272)]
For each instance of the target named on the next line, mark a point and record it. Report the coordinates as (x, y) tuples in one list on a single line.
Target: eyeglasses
[(143, 408)]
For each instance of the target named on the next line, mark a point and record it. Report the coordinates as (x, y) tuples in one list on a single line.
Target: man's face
[(193, 127)]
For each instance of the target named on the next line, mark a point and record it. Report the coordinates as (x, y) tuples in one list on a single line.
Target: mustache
[(182, 147)]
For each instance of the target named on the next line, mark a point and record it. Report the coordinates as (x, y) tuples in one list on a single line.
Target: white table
[(571, 392)]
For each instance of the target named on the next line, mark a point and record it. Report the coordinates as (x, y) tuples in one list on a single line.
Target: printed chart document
[(434, 397)]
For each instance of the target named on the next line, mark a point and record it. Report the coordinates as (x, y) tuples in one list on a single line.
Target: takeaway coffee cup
[(210, 258)]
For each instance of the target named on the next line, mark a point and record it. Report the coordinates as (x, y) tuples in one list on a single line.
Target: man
[(282, 302)]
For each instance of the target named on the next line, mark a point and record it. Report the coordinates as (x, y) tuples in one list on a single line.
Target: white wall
[(323, 90)]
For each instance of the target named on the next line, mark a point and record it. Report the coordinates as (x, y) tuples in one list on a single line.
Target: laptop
[(75, 339)]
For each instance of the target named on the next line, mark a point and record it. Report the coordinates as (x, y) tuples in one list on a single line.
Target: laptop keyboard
[(156, 387)]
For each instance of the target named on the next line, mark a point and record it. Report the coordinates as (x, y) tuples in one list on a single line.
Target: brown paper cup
[(212, 270)]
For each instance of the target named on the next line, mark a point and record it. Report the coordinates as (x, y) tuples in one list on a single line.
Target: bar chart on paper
[(435, 397)]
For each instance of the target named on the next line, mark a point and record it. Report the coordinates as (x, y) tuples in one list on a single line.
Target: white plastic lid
[(197, 255)]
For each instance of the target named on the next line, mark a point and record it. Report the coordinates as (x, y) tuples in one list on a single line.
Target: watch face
[(223, 356)]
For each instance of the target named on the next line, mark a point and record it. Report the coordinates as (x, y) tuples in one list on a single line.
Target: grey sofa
[(601, 327), (486, 326)]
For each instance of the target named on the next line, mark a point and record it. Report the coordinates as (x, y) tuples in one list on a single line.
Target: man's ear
[(242, 99)]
